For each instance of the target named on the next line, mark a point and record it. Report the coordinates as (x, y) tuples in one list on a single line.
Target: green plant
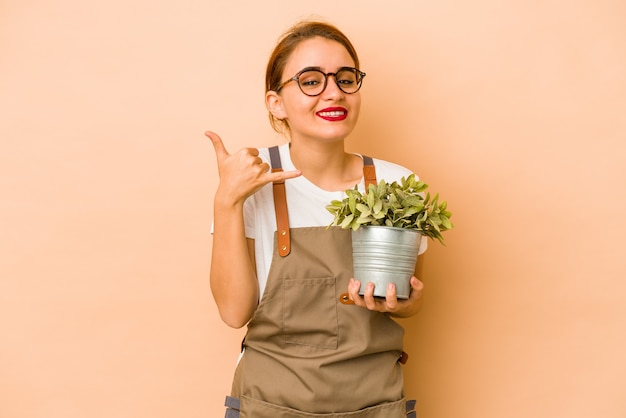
[(400, 205)]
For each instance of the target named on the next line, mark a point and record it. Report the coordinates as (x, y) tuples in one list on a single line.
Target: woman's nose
[(332, 88)]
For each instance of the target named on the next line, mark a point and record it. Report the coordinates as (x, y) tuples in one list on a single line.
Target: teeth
[(334, 113)]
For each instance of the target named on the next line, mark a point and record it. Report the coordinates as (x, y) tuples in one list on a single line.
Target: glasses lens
[(312, 82), (348, 80)]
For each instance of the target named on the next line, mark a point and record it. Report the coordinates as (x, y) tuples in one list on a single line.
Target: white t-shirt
[(306, 205)]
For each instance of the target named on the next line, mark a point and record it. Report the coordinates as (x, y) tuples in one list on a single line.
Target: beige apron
[(309, 351)]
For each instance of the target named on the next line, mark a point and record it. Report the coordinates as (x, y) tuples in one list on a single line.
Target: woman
[(314, 346)]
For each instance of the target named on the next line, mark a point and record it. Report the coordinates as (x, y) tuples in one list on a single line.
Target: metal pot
[(382, 255)]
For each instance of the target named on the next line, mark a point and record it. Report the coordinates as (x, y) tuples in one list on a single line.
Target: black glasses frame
[(360, 74)]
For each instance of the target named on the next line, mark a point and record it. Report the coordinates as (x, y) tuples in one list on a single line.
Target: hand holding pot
[(390, 304)]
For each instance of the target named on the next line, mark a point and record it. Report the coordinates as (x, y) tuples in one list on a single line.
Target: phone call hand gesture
[(243, 173)]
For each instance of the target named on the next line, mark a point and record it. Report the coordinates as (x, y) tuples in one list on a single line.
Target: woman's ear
[(274, 105)]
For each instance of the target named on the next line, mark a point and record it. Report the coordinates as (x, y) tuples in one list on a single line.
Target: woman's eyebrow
[(311, 68)]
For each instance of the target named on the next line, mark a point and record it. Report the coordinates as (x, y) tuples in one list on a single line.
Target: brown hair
[(287, 43)]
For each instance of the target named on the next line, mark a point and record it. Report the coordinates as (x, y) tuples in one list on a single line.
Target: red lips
[(333, 114)]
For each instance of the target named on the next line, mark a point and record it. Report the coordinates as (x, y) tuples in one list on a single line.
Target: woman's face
[(328, 117)]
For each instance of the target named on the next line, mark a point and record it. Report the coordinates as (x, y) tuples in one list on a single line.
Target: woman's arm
[(233, 280), (234, 283)]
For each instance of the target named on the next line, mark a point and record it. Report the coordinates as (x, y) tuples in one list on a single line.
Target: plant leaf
[(346, 222)]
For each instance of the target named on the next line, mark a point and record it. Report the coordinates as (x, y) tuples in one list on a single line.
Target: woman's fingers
[(279, 176)]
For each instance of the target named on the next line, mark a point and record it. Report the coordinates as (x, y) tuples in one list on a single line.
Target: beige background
[(512, 110)]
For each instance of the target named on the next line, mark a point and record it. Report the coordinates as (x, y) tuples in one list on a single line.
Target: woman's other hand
[(390, 303)]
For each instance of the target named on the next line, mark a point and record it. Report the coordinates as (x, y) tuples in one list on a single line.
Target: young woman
[(314, 346)]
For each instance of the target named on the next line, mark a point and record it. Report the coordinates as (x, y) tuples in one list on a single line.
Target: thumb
[(220, 149)]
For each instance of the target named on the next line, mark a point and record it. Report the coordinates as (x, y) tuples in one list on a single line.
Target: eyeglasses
[(312, 81)]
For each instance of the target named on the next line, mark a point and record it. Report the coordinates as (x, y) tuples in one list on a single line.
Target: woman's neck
[(327, 165)]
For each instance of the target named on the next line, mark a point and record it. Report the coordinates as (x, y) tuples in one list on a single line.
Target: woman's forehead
[(324, 53)]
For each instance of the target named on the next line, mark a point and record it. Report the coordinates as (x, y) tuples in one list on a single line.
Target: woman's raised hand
[(244, 172)]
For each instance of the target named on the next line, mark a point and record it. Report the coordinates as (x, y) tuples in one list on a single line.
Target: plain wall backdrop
[(512, 110)]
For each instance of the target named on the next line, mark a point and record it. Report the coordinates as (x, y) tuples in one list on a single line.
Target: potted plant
[(387, 225)]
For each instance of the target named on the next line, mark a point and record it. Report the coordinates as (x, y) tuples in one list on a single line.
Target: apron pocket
[(310, 312), (254, 408)]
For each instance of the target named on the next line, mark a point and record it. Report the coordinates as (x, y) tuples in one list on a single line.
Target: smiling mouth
[(333, 114)]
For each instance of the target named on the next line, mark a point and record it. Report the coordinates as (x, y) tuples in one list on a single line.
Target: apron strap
[(280, 206), (280, 198), (410, 409), (369, 172), (233, 406)]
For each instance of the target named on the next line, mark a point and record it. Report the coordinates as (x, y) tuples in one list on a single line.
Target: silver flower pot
[(383, 255)]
